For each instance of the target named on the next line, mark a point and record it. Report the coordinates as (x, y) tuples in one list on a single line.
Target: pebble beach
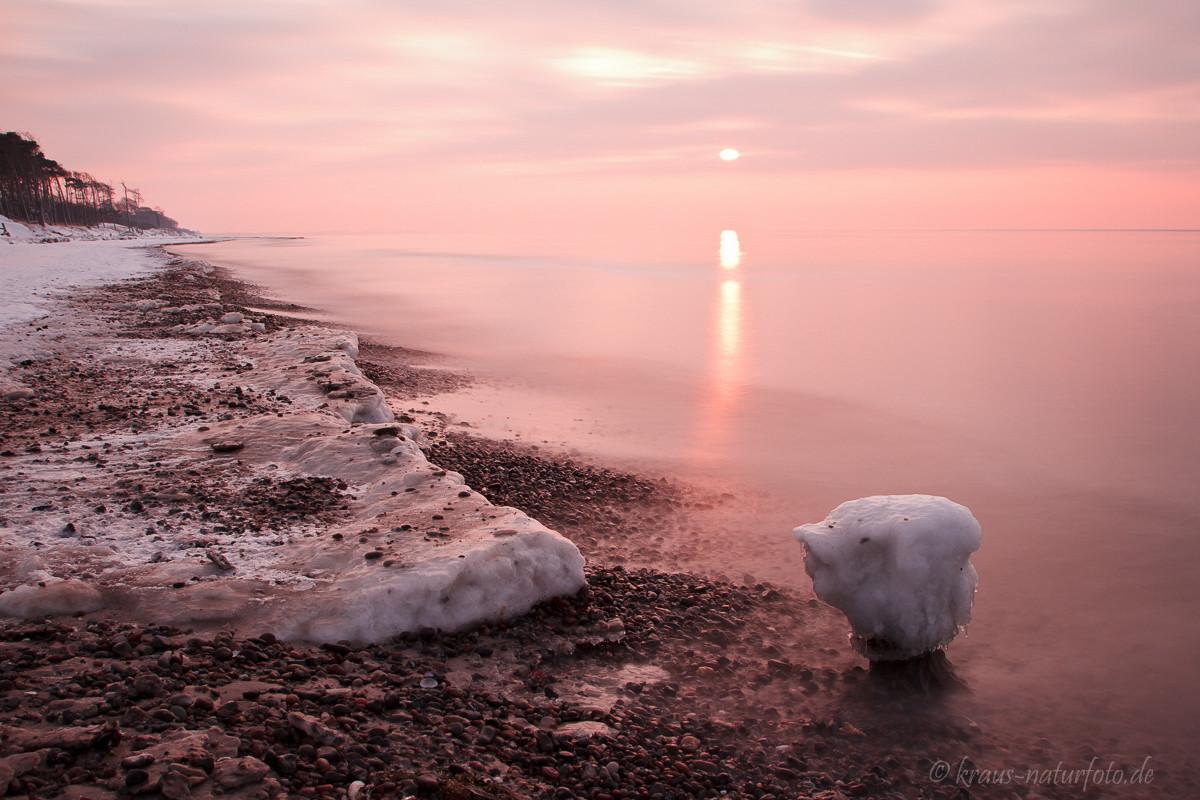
[(641, 684)]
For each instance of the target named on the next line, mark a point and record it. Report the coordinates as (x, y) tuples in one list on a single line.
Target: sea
[(1049, 380)]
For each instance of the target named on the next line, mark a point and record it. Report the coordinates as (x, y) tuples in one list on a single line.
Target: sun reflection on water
[(731, 250), (729, 331), (725, 379)]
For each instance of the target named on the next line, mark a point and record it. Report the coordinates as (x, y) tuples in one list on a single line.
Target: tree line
[(35, 188)]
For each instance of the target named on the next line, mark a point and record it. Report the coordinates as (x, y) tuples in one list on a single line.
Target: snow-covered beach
[(204, 484), (418, 549)]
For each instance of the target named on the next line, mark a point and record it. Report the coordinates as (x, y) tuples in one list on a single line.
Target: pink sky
[(299, 115)]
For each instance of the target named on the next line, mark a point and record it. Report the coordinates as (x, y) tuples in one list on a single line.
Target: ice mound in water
[(898, 567)]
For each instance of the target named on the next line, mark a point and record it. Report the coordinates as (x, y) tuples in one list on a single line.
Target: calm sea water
[(1047, 380)]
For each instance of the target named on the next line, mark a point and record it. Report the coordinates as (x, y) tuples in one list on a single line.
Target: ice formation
[(415, 549), (898, 567), (495, 572), (50, 597)]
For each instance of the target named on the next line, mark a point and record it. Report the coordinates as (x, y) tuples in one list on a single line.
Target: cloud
[(644, 88), (873, 12)]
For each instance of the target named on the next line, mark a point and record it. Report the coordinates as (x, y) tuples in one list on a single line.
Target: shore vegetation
[(37, 189)]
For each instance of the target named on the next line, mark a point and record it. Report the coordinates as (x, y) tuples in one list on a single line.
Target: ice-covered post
[(899, 568)]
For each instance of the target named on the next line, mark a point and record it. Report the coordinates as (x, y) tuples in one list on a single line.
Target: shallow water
[(1047, 380)]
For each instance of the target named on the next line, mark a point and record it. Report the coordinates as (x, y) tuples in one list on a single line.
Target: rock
[(586, 730), (174, 786), (137, 761), (220, 560), (227, 446), (232, 318), (98, 736), (234, 773), (428, 783), (17, 765), (135, 778), (779, 667), (147, 685), (317, 730)]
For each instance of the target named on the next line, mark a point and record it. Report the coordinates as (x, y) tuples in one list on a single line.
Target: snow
[(31, 269), (492, 572), (899, 568), (55, 597), (380, 571)]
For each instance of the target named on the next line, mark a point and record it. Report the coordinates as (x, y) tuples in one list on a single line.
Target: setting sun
[(729, 154)]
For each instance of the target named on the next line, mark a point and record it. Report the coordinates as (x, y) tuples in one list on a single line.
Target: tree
[(35, 188)]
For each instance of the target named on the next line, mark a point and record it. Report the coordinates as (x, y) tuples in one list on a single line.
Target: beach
[(209, 505)]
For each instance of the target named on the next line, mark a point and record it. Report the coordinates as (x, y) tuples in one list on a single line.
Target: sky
[(391, 115)]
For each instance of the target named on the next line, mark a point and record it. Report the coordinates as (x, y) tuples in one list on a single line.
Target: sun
[(729, 154)]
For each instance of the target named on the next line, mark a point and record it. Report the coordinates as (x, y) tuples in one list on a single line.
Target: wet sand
[(645, 684)]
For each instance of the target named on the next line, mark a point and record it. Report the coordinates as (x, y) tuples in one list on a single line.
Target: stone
[(174, 786), (136, 777), (219, 559), (317, 730), (98, 736), (428, 783), (147, 685), (21, 763), (234, 773), (586, 729)]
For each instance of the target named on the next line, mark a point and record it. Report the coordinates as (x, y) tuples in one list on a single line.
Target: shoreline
[(261, 406), (671, 673)]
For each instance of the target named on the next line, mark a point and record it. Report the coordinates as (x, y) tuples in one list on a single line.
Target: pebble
[(20, 393), (136, 777), (482, 714), (137, 761), (428, 783)]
